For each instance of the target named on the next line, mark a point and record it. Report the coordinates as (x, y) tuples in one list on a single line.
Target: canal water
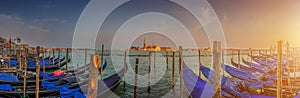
[(160, 72)]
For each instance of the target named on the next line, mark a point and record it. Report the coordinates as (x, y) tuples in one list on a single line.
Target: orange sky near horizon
[(259, 23)]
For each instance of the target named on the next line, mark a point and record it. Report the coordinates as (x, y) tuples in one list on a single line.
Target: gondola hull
[(30, 94)]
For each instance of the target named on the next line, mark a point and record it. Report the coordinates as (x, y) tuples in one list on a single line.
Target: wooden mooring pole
[(251, 60), (93, 76), (167, 59), (37, 72), (85, 58), (25, 72), (67, 59), (295, 63), (288, 64), (43, 59), (58, 58), (239, 59), (136, 77), (279, 70), (173, 69), (125, 66), (149, 72), (199, 58), (154, 62), (9, 59), (223, 62), (296, 69), (53, 50), (180, 71), (217, 68), (20, 59), (2, 48), (18, 56), (102, 56), (232, 53), (49, 54)]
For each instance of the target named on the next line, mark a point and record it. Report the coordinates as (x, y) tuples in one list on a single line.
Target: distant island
[(151, 47)]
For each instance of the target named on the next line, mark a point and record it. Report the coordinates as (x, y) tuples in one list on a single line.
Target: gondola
[(32, 62), (104, 86), (80, 87), (253, 69), (271, 75), (29, 94), (72, 78), (86, 67), (272, 64), (264, 69), (256, 90), (49, 67), (249, 76), (199, 88), (268, 62), (15, 81)]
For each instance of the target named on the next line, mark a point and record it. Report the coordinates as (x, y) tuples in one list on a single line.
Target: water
[(160, 74)]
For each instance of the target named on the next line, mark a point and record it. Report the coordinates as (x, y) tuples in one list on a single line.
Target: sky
[(246, 23)]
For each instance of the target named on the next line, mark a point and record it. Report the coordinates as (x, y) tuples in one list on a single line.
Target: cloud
[(36, 29), (15, 26), (48, 5), (48, 21)]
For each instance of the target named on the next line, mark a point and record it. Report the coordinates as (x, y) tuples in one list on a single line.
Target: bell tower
[(145, 44)]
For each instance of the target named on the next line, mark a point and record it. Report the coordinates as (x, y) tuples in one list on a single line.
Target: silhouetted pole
[(3, 43), (43, 59), (173, 69), (287, 50), (93, 76), (288, 65), (19, 58), (9, 51), (53, 50), (295, 64), (199, 58), (154, 60), (251, 57), (232, 53), (239, 59), (102, 56), (279, 70), (149, 72), (266, 55), (125, 67), (67, 59), (37, 72), (85, 58), (9, 56), (223, 61), (58, 58), (167, 59), (136, 77), (217, 68), (49, 53)]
